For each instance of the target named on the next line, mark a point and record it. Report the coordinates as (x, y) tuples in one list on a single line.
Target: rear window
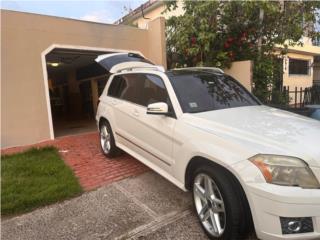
[(203, 91), (109, 62)]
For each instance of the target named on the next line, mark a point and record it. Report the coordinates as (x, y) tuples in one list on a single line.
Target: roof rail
[(213, 69), (155, 67)]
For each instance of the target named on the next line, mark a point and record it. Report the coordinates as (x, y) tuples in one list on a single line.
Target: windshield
[(203, 91)]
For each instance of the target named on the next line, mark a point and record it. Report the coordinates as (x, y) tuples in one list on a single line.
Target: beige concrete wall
[(242, 71), (297, 80), (24, 36)]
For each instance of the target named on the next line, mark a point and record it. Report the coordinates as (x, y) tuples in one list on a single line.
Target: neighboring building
[(300, 69), (149, 11), (299, 66), (50, 82)]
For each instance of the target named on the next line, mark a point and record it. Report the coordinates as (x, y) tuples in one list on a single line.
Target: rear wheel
[(107, 141), (218, 204)]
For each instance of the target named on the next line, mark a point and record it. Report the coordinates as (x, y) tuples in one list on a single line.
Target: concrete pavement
[(142, 207)]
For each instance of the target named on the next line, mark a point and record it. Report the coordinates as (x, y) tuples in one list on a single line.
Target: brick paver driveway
[(145, 206), (82, 153)]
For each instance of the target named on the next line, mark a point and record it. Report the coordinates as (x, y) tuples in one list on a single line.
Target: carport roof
[(71, 58)]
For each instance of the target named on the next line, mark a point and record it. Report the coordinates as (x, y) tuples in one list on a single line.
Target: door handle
[(135, 113)]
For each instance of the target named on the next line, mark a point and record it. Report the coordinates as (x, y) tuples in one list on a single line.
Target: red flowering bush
[(216, 33)]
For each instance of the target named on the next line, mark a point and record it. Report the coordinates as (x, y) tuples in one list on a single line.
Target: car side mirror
[(159, 108)]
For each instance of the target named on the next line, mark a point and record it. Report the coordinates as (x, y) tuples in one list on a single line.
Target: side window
[(117, 86), (143, 89), (154, 90)]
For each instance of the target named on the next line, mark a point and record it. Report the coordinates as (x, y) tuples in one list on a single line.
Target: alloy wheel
[(105, 139), (209, 205)]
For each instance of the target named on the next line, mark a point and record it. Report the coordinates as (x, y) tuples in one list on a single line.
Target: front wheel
[(218, 204)]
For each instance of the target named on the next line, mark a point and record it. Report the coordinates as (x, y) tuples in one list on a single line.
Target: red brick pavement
[(82, 153)]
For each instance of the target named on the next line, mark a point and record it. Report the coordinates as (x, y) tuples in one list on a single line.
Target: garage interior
[(75, 83)]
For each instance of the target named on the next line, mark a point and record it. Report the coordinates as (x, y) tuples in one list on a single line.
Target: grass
[(35, 178)]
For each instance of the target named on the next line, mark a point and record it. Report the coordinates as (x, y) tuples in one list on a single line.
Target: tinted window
[(117, 86), (297, 66), (141, 89), (108, 63), (202, 91)]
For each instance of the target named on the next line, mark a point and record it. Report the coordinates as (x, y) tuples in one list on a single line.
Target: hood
[(264, 130)]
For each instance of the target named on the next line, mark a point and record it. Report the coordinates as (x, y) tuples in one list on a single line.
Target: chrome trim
[(143, 149)]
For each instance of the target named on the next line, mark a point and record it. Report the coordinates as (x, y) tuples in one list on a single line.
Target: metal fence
[(316, 82), (296, 99), (299, 97)]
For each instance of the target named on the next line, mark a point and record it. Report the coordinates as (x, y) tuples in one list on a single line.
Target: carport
[(75, 82), (50, 83)]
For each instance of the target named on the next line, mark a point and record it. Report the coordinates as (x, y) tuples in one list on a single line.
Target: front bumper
[(269, 202)]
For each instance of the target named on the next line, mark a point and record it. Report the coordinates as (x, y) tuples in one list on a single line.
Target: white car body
[(228, 137)]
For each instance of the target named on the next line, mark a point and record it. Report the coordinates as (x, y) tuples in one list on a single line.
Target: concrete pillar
[(157, 41), (242, 71), (95, 94), (75, 107)]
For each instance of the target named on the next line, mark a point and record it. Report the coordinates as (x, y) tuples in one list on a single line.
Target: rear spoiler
[(116, 62)]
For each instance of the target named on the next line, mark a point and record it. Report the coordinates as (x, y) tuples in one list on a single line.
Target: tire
[(107, 142), (226, 203)]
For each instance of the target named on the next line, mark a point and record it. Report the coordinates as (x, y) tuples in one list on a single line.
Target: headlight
[(285, 170)]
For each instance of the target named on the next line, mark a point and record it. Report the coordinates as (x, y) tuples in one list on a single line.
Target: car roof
[(126, 62)]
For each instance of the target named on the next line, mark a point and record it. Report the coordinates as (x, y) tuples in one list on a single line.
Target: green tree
[(215, 33)]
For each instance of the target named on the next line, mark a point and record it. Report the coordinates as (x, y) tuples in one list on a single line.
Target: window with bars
[(299, 67)]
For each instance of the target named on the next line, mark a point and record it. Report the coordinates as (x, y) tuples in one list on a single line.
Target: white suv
[(245, 163)]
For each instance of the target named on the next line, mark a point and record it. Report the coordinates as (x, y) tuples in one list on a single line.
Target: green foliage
[(216, 33), (35, 178)]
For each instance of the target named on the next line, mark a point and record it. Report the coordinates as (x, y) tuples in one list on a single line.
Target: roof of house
[(305, 49), (139, 11)]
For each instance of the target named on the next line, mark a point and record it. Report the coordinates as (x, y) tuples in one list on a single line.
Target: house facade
[(300, 65), (50, 83)]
